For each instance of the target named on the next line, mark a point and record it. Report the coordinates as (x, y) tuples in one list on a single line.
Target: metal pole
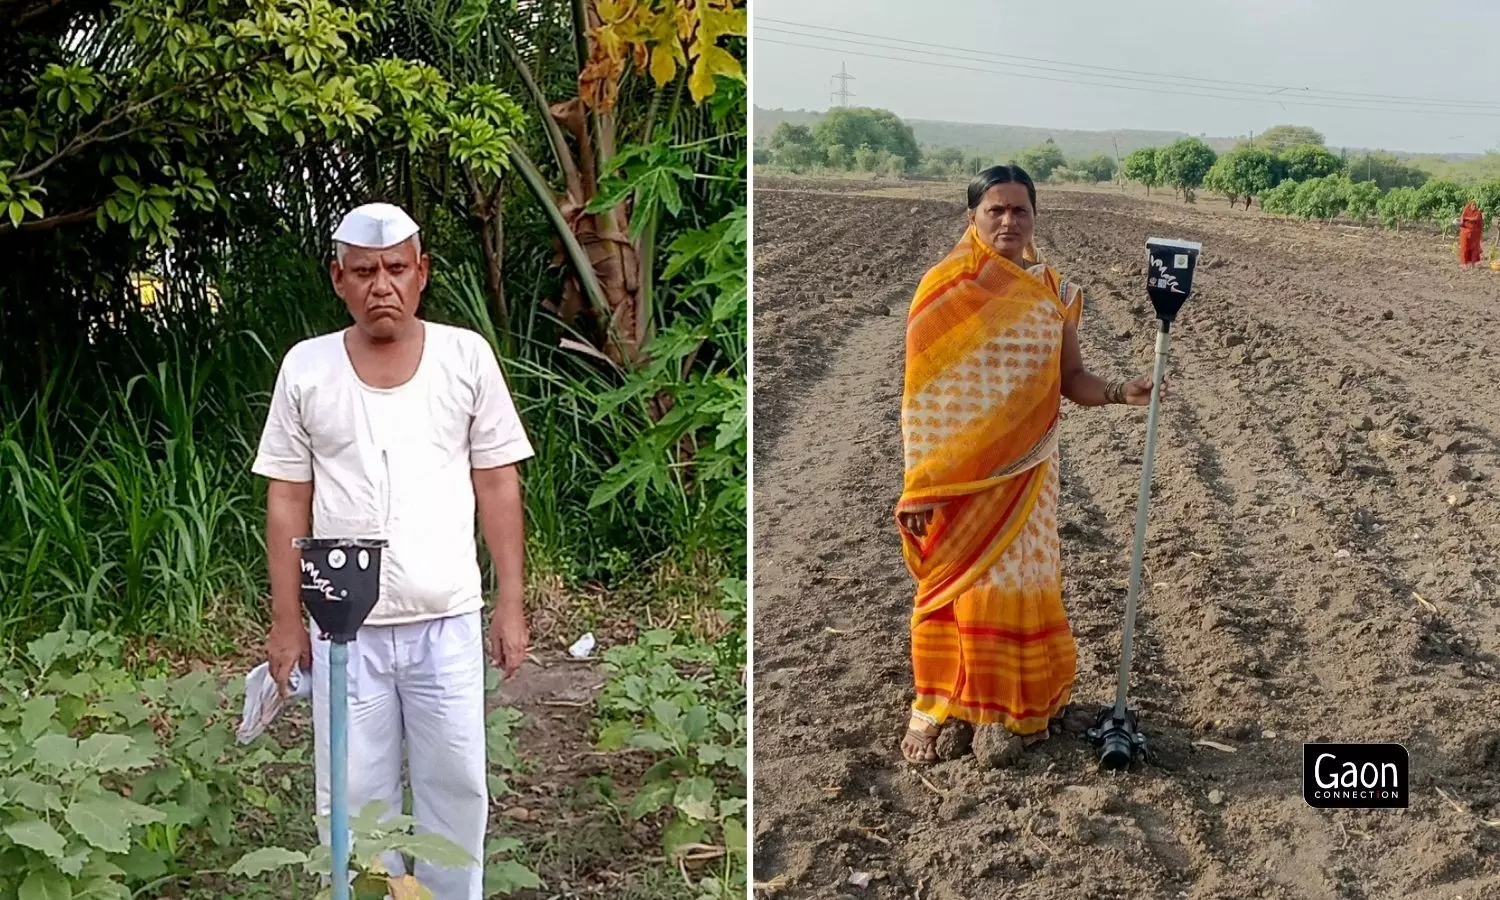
[(1138, 552), (338, 751)]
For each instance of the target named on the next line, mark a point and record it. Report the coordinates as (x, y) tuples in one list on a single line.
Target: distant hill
[(998, 140)]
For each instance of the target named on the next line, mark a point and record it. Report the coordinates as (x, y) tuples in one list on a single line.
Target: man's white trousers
[(423, 684)]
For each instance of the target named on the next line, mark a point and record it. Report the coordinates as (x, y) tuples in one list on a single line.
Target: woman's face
[(1005, 219)]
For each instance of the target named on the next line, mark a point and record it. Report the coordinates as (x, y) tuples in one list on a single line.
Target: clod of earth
[(996, 748)]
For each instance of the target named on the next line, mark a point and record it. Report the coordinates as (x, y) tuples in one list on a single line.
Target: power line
[(1106, 82), (843, 78), (1141, 76)]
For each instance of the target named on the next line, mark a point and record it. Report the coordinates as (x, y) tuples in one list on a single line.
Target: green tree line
[(1291, 172), (876, 140)]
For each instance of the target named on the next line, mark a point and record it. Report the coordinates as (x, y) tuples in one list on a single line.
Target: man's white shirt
[(397, 463)]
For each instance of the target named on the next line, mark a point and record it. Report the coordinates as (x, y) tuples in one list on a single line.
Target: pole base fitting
[(1119, 740)]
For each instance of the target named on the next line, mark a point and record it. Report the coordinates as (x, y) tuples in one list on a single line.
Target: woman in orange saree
[(1470, 235), (991, 350)]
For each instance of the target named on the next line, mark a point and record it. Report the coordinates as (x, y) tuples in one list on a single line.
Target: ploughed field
[(1321, 563)]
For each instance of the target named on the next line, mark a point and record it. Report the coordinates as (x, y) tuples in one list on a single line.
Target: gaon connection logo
[(1355, 776)]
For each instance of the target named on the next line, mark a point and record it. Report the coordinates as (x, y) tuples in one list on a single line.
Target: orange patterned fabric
[(1471, 235), (990, 637)]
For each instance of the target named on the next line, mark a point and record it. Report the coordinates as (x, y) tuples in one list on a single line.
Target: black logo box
[(1356, 776)]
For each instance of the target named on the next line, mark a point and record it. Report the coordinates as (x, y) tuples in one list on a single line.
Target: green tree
[(1185, 163), (1441, 201), (1321, 198), (1279, 137), (1142, 166), (798, 157), (176, 107), (1362, 200), (1042, 160), (838, 156), (1385, 170), (879, 128), (945, 160), (1279, 199), (1097, 168), (1247, 171), (1486, 195), (867, 158), (1220, 181), (1307, 161), (1398, 206), (792, 147), (788, 134)]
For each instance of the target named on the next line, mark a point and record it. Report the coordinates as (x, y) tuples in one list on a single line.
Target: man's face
[(382, 288), (1005, 219)]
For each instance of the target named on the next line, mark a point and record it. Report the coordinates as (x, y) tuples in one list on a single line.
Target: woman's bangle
[(1115, 392)]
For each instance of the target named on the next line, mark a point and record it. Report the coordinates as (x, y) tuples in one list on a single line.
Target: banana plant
[(677, 42)]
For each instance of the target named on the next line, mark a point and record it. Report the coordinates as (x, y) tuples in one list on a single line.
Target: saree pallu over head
[(979, 411)]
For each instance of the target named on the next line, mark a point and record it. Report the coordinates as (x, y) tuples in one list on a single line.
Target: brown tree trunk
[(604, 237), (490, 209)]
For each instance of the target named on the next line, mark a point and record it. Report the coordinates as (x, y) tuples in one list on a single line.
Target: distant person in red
[(1470, 235)]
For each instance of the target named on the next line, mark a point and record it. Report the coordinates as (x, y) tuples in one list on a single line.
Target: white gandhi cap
[(376, 226)]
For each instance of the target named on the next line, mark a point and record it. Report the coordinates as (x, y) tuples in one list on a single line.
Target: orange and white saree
[(990, 638)]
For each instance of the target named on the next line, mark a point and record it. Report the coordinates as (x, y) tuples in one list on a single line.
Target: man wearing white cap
[(400, 429)]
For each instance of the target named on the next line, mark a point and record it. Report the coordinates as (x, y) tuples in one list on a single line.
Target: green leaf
[(433, 848), (649, 740), (695, 723), (105, 820), (55, 751), (129, 707), (113, 753), (33, 206), (369, 816), (501, 846), (507, 877), (651, 798), (37, 835), (74, 863), (682, 831), (36, 716), (99, 867), (102, 889), (266, 859), (45, 884), (195, 692), (36, 797), (17, 212), (498, 786), (734, 836), (614, 736), (695, 797)]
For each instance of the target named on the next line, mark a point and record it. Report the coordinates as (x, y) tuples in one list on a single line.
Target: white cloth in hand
[(263, 699)]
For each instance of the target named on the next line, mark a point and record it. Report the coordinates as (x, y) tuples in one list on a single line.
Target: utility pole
[(1119, 164), (843, 78)]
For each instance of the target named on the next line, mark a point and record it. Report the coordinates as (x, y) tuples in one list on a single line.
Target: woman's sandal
[(928, 746)]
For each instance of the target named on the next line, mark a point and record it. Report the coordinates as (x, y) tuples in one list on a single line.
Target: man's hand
[(510, 637), (497, 493), (288, 645), (1138, 392)]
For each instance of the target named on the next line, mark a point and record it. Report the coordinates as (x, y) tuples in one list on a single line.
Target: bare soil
[(1328, 457)]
